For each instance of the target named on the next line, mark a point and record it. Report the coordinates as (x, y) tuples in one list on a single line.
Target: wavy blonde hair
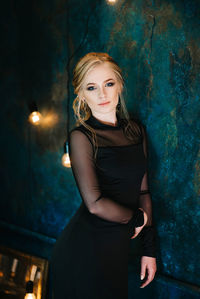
[(81, 110)]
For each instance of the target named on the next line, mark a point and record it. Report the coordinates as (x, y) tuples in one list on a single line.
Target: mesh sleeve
[(148, 233), (84, 171)]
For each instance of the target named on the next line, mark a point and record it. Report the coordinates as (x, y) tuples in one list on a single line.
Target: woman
[(108, 159)]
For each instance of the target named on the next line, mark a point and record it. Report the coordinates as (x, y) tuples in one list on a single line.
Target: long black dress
[(90, 257)]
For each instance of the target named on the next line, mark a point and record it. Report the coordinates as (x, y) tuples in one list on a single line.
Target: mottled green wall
[(157, 44)]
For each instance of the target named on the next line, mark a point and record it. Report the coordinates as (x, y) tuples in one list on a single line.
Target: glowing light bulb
[(29, 290), (65, 158), (35, 118), (29, 296), (111, 1)]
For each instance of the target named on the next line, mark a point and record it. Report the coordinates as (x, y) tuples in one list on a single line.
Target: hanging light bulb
[(65, 158), (35, 117), (111, 1), (29, 290), (29, 284)]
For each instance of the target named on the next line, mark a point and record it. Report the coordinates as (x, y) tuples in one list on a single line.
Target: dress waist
[(94, 222)]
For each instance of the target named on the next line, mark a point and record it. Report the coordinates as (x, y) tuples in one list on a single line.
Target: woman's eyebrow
[(104, 81)]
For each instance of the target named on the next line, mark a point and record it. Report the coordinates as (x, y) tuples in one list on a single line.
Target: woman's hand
[(148, 263), (139, 228)]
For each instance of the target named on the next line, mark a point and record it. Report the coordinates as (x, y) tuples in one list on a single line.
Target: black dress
[(90, 257)]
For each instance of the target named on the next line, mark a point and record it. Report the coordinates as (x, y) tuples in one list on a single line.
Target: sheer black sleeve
[(148, 233), (83, 168)]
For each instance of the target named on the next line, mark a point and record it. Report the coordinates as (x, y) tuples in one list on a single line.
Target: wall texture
[(157, 44)]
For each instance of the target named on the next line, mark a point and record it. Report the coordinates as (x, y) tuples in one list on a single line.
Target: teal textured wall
[(157, 44)]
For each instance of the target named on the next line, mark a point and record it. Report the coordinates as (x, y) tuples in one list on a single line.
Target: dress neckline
[(95, 123)]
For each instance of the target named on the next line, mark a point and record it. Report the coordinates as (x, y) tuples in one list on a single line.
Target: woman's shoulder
[(80, 134), (79, 130)]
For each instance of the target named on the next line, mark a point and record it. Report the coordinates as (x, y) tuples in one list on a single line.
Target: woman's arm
[(83, 167), (147, 235)]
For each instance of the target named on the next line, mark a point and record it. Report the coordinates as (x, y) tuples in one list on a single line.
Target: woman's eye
[(90, 88), (108, 84), (111, 83)]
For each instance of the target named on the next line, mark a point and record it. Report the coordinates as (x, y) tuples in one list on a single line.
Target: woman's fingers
[(139, 228), (145, 216), (137, 231), (148, 264), (149, 279)]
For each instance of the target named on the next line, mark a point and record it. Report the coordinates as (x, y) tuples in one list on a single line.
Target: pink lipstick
[(102, 104)]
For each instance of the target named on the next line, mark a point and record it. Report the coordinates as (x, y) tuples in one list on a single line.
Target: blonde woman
[(108, 153)]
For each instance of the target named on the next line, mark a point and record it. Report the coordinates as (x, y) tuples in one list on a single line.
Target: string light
[(29, 290), (111, 1), (29, 284), (65, 158), (35, 117)]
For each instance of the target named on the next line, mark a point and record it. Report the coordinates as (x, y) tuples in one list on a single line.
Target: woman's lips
[(102, 104)]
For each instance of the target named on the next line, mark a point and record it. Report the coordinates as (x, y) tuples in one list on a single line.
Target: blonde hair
[(81, 110)]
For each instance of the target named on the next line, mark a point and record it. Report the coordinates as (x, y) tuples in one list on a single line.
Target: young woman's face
[(101, 89)]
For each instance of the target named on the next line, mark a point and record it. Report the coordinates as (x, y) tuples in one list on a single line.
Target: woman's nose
[(101, 92)]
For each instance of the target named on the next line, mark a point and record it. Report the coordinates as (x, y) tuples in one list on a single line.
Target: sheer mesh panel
[(83, 167), (148, 234)]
